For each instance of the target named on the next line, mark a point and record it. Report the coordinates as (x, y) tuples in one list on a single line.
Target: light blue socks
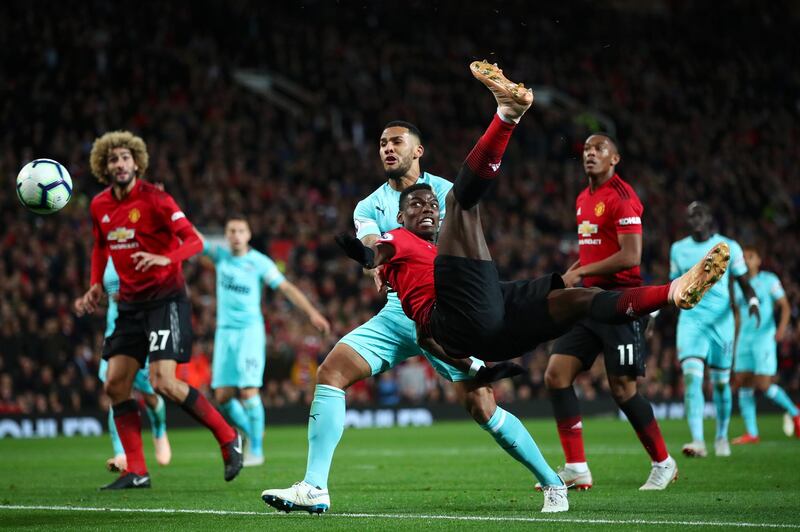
[(234, 411), (509, 432), (158, 418), (747, 406), (780, 398), (254, 409), (325, 428), (723, 400), (693, 399)]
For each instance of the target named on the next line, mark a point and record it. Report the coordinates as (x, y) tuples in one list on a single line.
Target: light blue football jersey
[(111, 286), (687, 252), (377, 213), (240, 281), (769, 290)]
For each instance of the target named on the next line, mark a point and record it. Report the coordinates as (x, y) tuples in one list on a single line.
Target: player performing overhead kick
[(389, 338), (453, 293)]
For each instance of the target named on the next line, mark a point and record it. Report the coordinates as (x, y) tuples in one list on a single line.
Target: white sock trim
[(578, 467)]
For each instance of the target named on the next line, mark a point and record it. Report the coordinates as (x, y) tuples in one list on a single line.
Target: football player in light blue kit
[(706, 332), (156, 410), (240, 340), (757, 350), (388, 339)]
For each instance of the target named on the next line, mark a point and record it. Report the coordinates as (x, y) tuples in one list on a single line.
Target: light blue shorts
[(757, 354), (711, 342), (389, 338), (240, 355), (141, 382)]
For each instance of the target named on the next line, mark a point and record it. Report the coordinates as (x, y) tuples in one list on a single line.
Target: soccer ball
[(44, 186)]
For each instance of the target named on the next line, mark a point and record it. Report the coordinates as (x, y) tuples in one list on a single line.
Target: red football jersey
[(410, 272), (147, 219), (611, 210)]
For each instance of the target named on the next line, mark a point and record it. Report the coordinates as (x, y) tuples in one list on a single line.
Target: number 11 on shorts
[(622, 349)]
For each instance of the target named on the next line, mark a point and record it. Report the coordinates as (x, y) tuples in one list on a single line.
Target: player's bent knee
[(555, 379)]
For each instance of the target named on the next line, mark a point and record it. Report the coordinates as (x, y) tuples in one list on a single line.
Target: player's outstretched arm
[(370, 256), (299, 299)]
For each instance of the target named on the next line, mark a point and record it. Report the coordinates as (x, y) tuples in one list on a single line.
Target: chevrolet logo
[(120, 234), (587, 229)]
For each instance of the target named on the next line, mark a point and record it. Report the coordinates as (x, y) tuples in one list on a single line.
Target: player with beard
[(147, 235), (388, 339)]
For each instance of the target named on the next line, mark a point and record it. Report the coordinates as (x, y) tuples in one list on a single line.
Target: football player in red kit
[(148, 236), (609, 224)]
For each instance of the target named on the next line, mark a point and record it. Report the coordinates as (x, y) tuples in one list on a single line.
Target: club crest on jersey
[(599, 209), (134, 215), (120, 234)]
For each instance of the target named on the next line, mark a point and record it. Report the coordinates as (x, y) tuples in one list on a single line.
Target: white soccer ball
[(44, 186)]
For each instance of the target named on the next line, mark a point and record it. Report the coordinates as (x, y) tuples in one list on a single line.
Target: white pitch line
[(406, 516)]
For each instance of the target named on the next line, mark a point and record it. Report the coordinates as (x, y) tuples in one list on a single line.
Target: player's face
[(599, 156), (699, 218), (121, 167), (399, 149), (752, 259), (237, 233), (421, 214)]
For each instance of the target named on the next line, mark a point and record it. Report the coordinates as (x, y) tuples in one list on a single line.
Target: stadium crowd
[(700, 113)]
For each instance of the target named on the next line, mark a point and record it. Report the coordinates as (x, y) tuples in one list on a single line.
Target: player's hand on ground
[(572, 278), (356, 250), (89, 302), (320, 323), (144, 260), (499, 371)]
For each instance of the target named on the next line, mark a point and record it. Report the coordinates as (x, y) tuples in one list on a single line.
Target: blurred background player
[(706, 333), (757, 349), (388, 339), (609, 221), (155, 406), (240, 340), (147, 235)]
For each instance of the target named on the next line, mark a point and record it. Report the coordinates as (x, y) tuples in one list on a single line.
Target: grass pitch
[(451, 476)]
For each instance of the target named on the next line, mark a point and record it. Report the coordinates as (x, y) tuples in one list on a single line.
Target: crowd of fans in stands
[(700, 111)]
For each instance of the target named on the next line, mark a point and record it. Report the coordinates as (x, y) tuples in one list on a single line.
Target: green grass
[(450, 469)]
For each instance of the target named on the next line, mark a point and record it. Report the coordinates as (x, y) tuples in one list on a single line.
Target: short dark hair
[(413, 188), (611, 138), (414, 130), (237, 216)]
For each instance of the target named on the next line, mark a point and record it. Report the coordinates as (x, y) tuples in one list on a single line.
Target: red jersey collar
[(615, 177)]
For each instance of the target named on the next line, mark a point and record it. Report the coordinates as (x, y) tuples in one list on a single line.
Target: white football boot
[(722, 447), (695, 449), (555, 499), (661, 476), (302, 496)]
